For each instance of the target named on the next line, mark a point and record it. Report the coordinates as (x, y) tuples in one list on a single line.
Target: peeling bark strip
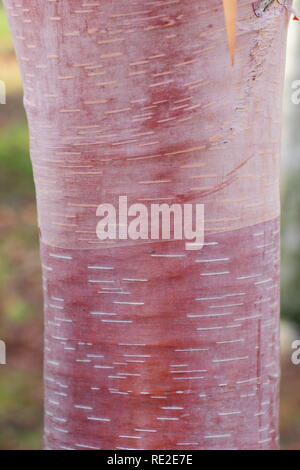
[(151, 346), (230, 10)]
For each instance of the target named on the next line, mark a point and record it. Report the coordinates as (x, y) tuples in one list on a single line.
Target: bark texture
[(147, 345)]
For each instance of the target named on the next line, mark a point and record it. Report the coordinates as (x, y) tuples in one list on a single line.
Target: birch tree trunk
[(148, 345)]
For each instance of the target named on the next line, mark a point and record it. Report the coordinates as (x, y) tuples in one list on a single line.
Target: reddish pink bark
[(140, 100), (195, 359)]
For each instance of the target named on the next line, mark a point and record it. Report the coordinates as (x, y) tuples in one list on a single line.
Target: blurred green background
[(20, 284), (20, 276)]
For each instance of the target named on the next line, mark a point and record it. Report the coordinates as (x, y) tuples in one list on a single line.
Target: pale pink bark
[(149, 346)]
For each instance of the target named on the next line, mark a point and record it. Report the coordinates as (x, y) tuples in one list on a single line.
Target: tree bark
[(148, 345)]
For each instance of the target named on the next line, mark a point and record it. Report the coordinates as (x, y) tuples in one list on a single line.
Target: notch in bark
[(261, 6)]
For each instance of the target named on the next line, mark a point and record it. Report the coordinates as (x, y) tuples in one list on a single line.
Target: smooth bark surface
[(147, 345)]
